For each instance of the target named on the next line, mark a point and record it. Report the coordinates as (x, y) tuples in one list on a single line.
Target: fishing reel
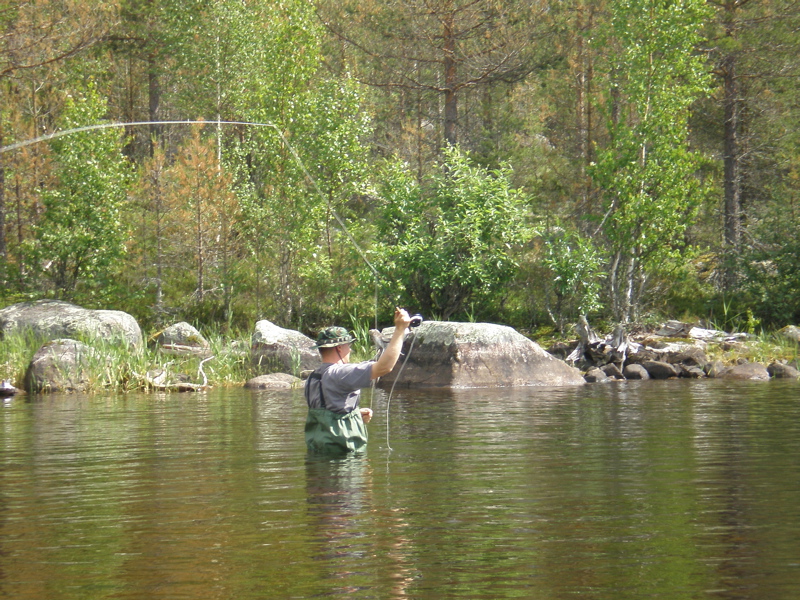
[(416, 321)]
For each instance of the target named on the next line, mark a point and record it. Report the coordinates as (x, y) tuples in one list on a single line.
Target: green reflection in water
[(651, 490)]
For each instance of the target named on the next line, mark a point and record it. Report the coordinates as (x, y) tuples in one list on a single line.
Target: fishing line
[(416, 320), (301, 164)]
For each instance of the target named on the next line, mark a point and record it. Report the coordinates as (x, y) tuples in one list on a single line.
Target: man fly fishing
[(335, 423)]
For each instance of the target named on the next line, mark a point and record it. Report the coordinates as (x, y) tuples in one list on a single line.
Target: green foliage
[(647, 172), (772, 283), (576, 274), (683, 286), (81, 236), (598, 106), (300, 263), (453, 242)]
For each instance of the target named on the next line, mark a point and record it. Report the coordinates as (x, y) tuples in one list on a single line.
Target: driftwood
[(159, 381), (586, 335), (611, 350), (6, 389), (183, 350)]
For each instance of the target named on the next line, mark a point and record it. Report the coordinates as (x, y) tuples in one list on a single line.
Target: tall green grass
[(16, 352), (362, 348), (114, 365)]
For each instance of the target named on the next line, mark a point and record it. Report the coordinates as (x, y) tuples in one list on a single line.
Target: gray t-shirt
[(341, 386)]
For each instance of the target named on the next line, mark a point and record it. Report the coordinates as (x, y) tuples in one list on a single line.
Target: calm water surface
[(643, 490)]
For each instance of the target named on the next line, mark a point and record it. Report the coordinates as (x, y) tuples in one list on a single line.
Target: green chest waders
[(333, 433)]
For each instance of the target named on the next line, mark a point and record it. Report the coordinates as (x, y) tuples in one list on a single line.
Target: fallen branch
[(159, 383)]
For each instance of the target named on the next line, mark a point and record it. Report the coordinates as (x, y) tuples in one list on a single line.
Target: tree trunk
[(580, 89), (3, 247), (200, 249), (630, 302), (450, 94), (732, 182), (159, 302), (420, 138), (583, 108), (613, 280), (154, 100)]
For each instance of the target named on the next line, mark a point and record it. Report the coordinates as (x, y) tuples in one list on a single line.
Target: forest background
[(521, 162)]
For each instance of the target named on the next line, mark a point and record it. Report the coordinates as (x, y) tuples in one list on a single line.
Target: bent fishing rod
[(301, 164), (416, 320), (218, 123)]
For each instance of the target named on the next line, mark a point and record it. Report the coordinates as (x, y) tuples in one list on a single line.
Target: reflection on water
[(351, 528), (643, 490)]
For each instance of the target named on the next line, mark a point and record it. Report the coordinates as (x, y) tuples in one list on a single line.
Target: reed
[(114, 365), (16, 352), (362, 348)]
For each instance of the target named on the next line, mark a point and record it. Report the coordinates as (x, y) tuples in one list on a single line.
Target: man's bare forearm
[(391, 353)]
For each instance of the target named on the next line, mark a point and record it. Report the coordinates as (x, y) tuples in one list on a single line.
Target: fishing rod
[(301, 164), (416, 320)]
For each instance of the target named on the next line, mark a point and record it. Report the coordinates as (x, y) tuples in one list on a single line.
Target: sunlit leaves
[(81, 237), (647, 172), (453, 241)]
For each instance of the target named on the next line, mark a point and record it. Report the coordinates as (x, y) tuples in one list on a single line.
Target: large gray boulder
[(274, 349), (60, 366), (54, 319), (465, 355)]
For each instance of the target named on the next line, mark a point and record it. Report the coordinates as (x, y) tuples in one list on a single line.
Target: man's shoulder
[(351, 375), (349, 368)]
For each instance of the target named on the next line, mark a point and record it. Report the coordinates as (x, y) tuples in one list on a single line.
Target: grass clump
[(16, 353), (764, 348), (114, 365)]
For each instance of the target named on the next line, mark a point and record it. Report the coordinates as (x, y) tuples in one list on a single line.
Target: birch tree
[(81, 236), (647, 172)]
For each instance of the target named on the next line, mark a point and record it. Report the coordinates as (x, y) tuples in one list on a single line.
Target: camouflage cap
[(330, 337)]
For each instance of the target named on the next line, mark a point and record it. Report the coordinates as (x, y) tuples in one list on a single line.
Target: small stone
[(659, 370), (747, 371), (635, 371), (273, 381), (595, 375), (781, 371)]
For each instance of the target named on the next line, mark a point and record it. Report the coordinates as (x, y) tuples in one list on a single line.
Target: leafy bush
[(576, 275), (450, 244)]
